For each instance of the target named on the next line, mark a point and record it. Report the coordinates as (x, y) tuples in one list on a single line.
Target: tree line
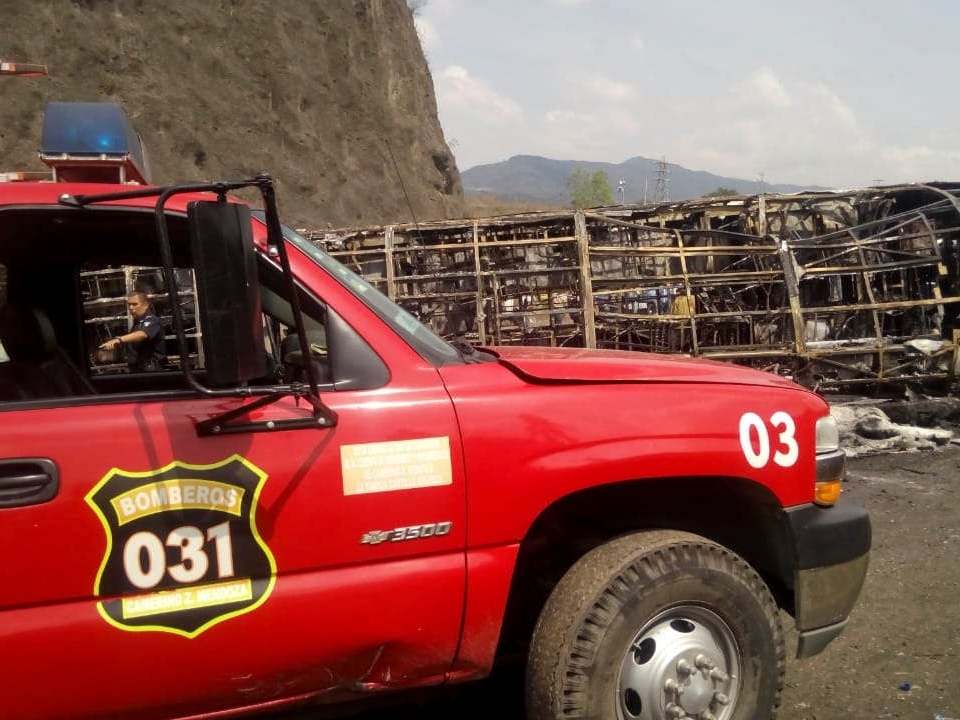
[(592, 189)]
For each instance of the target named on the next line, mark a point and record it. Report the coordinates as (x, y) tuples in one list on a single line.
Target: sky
[(841, 93)]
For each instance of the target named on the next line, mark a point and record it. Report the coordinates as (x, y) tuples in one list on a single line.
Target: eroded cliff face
[(323, 94)]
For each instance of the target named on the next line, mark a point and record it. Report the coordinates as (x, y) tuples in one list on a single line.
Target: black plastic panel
[(827, 536)]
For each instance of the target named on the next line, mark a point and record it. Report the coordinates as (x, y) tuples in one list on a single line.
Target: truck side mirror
[(228, 302)]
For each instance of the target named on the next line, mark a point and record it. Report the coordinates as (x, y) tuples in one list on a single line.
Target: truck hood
[(577, 365)]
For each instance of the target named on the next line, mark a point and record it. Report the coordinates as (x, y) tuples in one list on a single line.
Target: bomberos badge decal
[(183, 551)]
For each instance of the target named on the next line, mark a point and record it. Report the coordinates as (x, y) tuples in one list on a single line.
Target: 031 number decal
[(183, 551), (753, 428), (194, 561)]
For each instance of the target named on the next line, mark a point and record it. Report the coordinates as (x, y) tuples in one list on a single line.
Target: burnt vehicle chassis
[(836, 290)]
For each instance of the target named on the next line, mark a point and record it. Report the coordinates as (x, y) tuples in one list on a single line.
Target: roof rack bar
[(218, 187)]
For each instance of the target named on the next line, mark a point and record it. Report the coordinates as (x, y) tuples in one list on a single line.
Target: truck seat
[(293, 358), (38, 367)]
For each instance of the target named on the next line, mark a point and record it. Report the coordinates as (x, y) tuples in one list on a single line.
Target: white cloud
[(459, 90), (842, 113), (768, 88), (477, 120), (609, 89), (636, 41), (909, 154), (801, 131), (790, 129), (582, 134), (442, 8), (427, 33)]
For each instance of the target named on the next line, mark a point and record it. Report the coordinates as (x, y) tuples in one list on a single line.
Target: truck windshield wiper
[(463, 347), (468, 353)]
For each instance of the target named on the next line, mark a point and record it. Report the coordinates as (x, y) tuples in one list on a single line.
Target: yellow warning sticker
[(398, 465)]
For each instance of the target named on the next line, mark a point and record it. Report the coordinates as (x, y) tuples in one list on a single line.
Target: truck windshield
[(421, 338)]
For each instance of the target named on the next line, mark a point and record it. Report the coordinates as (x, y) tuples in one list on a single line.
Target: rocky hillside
[(319, 93)]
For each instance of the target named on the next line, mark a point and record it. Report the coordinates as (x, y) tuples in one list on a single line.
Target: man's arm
[(151, 329), (130, 338)]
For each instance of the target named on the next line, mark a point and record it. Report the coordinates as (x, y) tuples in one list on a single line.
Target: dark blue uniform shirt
[(149, 354)]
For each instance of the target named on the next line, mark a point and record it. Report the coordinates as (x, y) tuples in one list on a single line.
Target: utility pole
[(621, 189), (661, 193), (761, 184), (22, 69), (646, 184)]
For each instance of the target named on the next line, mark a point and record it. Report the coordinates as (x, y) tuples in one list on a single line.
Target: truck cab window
[(105, 292), (342, 358), (67, 286), (433, 348), (280, 335), (3, 301), (34, 363), (66, 290)]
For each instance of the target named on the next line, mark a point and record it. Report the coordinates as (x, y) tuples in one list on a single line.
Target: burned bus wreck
[(836, 290)]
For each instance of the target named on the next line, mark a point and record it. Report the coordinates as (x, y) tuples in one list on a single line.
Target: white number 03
[(785, 454)]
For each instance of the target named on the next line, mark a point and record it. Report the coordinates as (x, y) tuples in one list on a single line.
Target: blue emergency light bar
[(79, 131)]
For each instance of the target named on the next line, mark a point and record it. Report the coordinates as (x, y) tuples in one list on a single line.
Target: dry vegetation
[(485, 205), (317, 92)]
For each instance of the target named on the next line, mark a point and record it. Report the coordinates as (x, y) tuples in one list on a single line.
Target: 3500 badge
[(183, 551)]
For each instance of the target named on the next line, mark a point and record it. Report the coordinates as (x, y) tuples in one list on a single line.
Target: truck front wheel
[(655, 626)]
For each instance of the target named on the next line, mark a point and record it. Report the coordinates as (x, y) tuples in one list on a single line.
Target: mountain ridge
[(538, 178)]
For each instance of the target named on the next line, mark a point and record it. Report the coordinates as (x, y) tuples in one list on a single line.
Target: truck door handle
[(27, 481)]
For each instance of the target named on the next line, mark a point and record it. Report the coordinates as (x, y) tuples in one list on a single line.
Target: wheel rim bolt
[(721, 699), (719, 675), (683, 668), (707, 715), (704, 663), (671, 686), (675, 711)]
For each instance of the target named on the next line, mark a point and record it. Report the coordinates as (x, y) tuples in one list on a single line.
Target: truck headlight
[(830, 463), (828, 435)]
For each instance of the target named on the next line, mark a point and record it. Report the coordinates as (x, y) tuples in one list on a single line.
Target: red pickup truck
[(323, 500)]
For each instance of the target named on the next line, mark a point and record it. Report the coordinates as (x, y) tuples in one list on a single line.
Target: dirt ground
[(906, 628), (904, 632)]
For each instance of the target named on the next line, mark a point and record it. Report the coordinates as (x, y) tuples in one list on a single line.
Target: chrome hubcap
[(684, 663)]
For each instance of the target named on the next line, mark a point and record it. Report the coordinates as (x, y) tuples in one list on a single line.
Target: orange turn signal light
[(828, 492)]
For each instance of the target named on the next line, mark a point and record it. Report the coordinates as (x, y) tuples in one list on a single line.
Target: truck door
[(147, 569)]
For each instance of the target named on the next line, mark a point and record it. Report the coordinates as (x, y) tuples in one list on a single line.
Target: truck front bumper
[(832, 550)]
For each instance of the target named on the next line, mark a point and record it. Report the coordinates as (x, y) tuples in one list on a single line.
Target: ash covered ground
[(906, 628)]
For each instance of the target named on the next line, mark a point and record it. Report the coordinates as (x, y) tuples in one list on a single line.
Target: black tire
[(598, 608)]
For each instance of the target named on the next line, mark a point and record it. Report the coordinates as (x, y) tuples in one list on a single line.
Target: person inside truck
[(143, 345)]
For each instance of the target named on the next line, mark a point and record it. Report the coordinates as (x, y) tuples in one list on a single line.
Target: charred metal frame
[(836, 290)]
